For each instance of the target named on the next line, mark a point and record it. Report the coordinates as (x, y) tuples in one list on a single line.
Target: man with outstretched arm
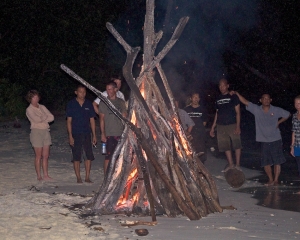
[(267, 121), (227, 120)]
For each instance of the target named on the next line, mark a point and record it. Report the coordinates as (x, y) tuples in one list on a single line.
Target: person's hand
[(278, 123), (232, 92), (188, 136), (103, 137), (237, 131), (292, 152), (71, 141), (212, 132), (94, 140)]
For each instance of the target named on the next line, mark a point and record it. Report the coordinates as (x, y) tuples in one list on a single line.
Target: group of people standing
[(227, 127), (267, 121), (81, 128)]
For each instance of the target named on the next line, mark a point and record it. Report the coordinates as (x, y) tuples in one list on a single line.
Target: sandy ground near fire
[(34, 210)]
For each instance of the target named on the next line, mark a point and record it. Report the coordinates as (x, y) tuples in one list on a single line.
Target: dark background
[(255, 44)]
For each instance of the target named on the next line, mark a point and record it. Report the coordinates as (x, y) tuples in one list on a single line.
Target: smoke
[(214, 26)]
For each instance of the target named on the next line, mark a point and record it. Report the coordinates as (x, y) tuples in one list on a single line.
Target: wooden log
[(96, 201), (148, 33), (166, 49), (235, 178), (179, 200), (165, 197), (184, 188), (147, 182), (208, 186)]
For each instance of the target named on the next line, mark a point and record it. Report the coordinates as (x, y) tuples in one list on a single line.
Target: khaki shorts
[(226, 137), (40, 137)]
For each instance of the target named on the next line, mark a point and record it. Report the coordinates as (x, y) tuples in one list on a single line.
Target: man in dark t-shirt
[(199, 116), (80, 125), (227, 120)]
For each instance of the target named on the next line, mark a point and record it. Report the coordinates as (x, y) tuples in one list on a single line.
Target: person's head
[(195, 98), (265, 100), (80, 92), (223, 86), (111, 89), (118, 82), (297, 103), (33, 96), (176, 102)]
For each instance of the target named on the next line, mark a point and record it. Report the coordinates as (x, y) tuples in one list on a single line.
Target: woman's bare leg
[(37, 162), (46, 152)]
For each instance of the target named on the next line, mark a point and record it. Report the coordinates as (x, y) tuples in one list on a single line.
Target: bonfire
[(154, 169)]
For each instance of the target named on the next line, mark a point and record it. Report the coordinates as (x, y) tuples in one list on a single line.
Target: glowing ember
[(132, 175)]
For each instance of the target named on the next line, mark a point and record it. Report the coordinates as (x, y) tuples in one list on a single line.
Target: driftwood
[(154, 169)]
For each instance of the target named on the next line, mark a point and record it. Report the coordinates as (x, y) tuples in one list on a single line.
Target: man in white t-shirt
[(119, 94)]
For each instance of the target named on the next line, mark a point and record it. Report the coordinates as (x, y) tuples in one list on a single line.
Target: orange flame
[(183, 140), (142, 89), (135, 197), (124, 198), (132, 175), (133, 118), (143, 92)]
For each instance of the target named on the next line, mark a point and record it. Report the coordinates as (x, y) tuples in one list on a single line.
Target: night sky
[(222, 38)]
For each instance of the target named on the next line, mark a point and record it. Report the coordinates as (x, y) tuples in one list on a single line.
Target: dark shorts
[(82, 144), (226, 137), (271, 153), (198, 140), (111, 143)]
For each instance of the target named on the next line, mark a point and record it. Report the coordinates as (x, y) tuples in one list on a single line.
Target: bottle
[(103, 148)]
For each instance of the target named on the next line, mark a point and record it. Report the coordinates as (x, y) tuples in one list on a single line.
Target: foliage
[(12, 102)]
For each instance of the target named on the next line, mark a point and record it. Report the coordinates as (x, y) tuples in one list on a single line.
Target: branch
[(148, 33), (178, 31), (181, 25), (94, 90), (131, 56), (119, 38), (156, 40), (167, 86), (127, 69)]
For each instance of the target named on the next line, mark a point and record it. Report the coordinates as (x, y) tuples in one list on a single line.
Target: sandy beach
[(45, 210)]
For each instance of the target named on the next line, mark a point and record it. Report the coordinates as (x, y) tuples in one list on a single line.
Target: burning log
[(154, 169)]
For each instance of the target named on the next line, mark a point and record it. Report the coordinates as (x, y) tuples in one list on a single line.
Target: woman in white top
[(39, 117)]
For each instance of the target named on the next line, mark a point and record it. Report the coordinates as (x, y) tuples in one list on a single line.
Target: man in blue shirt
[(267, 121), (80, 124)]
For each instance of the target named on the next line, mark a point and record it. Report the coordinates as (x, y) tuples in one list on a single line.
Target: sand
[(43, 210)]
